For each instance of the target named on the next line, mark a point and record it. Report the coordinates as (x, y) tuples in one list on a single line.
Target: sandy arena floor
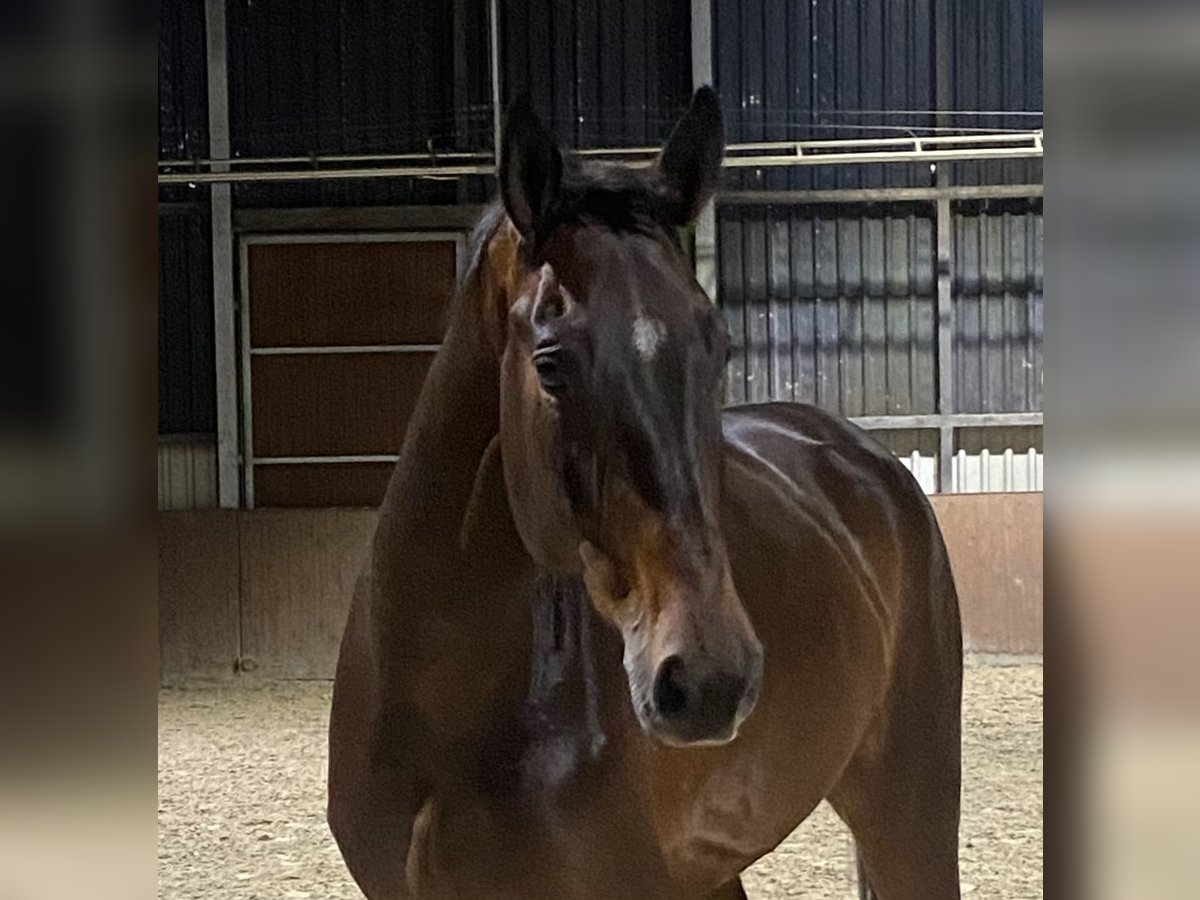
[(241, 796)]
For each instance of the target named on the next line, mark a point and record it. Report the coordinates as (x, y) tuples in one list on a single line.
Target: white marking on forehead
[(648, 334)]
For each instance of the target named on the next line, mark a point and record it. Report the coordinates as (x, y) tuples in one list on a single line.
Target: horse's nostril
[(547, 360), (695, 704), (720, 696), (670, 693)]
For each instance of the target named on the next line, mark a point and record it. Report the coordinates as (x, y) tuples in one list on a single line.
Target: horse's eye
[(547, 361), (620, 587)]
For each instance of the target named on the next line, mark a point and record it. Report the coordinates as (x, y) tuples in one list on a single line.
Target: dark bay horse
[(610, 641)]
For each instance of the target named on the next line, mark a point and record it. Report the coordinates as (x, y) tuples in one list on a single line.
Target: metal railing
[(767, 154)]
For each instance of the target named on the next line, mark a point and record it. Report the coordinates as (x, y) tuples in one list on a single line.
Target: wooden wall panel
[(335, 404), (339, 294), (321, 485), (296, 570), (198, 590), (995, 545), (298, 573)]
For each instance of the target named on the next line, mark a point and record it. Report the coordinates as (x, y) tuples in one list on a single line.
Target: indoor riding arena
[(874, 244)]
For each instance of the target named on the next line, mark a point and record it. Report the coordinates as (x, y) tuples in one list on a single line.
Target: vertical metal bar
[(945, 480), (702, 68), (497, 112), (247, 380), (945, 338), (224, 344), (702, 74), (944, 225)]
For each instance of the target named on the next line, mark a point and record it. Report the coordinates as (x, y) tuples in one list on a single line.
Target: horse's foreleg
[(374, 838), (864, 883), (900, 794), (730, 890)]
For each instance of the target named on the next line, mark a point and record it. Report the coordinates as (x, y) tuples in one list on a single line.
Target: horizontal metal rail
[(356, 348), (311, 460), (997, 137), (997, 145), (432, 172), (880, 195), (949, 420), (870, 423), (871, 156), (322, 159)]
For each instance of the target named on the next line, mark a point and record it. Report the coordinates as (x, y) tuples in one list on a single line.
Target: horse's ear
[(530, 168), (689, 168)]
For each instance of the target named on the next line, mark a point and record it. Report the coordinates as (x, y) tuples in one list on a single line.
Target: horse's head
[(611, 382)]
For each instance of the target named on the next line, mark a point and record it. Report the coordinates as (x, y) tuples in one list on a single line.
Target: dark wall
[(391, 76), (856, 69), (182, 80), (831, 307), (186, 398), (996, 58), (803, 289), (824, 70), (837, 306), (998, 307), (608, 73), (375, 76), (186, 393)]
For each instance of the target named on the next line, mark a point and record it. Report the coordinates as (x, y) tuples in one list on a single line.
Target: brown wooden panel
[(321, 484), (995, 545), (197, 593), (298, 573), (349, 293), (336, 403)]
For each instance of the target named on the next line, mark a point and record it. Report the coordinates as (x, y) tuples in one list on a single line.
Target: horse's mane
[(609, 195), (489, 223), (612, 196)]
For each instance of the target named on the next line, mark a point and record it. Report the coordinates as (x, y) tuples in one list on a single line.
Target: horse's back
[(825, 456), (840, 524), (880, 503), (845, 480)]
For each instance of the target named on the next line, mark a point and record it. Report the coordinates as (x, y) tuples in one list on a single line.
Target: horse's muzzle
[(697, 703)]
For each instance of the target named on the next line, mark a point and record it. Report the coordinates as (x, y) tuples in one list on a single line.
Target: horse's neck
[(457, 414), (488, 592)]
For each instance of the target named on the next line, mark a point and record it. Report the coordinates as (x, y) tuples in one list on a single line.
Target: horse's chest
[(552, 830)]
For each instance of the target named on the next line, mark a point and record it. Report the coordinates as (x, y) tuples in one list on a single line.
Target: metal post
[(702, 74), (497, 112), (944, 225), (702, 62), (224, 344), (945, 338)]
